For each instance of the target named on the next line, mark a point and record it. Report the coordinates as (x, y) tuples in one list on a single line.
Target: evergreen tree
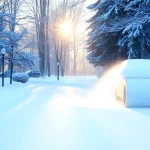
[(118, 30)]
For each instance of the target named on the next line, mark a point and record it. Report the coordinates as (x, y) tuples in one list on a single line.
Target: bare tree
[(55, 50), (76, 13), (48, 62)]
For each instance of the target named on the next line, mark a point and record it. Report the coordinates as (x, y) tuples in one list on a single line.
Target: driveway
[(73, 115)]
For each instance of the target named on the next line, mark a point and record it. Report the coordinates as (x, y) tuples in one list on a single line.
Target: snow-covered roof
[(135, 68)]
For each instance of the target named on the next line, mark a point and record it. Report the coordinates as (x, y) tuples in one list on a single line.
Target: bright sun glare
[(65, 28)]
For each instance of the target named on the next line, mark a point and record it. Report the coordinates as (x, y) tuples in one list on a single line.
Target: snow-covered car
[(33, 73), (133, 83)]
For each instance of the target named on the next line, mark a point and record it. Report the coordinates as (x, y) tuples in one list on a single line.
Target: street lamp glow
[(65, 28), (3, 50)]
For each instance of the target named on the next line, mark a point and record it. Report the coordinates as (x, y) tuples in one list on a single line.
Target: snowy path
[(74, 114)]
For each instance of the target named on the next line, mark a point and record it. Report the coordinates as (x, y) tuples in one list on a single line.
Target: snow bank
[(138, 93), (135, 68), (136, 73)]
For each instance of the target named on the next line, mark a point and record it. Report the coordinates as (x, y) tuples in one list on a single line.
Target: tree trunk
[(42, 36), (144, 53), (74, 54), (48, 64), (11, 72), (13, 11)]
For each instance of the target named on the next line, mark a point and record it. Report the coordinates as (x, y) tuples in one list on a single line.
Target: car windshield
[(28, 71)]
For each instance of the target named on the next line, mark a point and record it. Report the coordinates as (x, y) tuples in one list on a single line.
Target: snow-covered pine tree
[(118, 30), (101, 43), (136, 32)]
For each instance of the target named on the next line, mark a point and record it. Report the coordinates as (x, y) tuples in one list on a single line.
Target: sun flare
[(66, 28)]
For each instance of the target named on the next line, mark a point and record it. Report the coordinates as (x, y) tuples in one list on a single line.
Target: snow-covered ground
[(75, 113)]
